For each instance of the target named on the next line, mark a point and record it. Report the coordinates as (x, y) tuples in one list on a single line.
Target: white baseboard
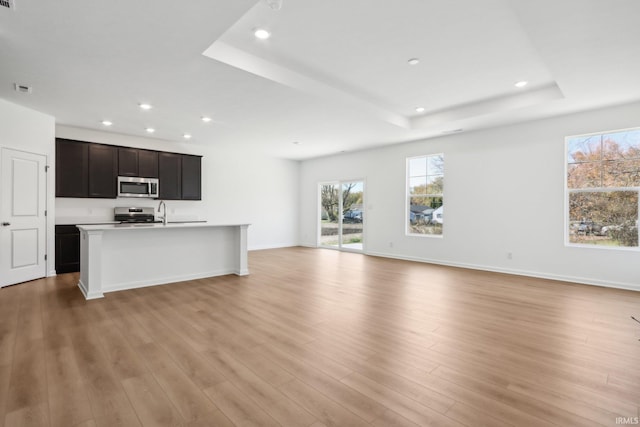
[(266, 247), (83, 289), (537, 274), (169, 280)]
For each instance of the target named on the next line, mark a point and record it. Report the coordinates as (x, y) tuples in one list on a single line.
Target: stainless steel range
[(134, 215)]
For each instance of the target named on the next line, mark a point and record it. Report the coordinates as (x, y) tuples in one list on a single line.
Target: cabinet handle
[(6, 224)]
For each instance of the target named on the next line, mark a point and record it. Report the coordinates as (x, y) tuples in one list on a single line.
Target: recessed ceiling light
[(420, 109), (414, 61), (262, 34), (187, 136), (145, 106), (296, 143), (107, 123), (521, 83), (150, 130), (206, 119)]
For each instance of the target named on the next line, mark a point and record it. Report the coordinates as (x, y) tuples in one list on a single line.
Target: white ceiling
[(334, 75)]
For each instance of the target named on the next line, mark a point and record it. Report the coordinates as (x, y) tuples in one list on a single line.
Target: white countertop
[(102, 219), (152, 226), (83, 220)]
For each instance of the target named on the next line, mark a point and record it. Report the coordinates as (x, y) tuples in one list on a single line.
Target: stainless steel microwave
[(129, 186)]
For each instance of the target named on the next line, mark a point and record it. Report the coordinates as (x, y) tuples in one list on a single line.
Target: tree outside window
[(603, 184), (329, 195)]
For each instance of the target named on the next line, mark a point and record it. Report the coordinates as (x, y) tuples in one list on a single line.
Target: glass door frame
[(340, 246)]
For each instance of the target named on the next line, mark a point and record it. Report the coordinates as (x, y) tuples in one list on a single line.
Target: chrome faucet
[(163, 205)]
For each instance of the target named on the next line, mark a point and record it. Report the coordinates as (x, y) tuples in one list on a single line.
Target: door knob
[(6, 224)]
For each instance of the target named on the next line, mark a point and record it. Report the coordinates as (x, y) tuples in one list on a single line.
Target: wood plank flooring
[(321, 338)]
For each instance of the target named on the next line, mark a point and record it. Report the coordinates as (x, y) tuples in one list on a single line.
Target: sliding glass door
[(342, 215), (329, 215)]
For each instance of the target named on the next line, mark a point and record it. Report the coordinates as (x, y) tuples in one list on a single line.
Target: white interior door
[(22, 216)]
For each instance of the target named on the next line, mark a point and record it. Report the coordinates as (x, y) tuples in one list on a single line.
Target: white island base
[(116, 257)]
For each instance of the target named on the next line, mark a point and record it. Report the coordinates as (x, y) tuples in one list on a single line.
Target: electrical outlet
[(390, 244), (509, 255)]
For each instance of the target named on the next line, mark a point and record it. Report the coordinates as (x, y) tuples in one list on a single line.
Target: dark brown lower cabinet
[(67, 249)]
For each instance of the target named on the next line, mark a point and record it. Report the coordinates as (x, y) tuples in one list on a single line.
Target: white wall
[(28, 130), (237, 187), (504, 192), (262, 191)]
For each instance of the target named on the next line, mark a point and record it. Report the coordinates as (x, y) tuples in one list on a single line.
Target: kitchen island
[(116, 257)]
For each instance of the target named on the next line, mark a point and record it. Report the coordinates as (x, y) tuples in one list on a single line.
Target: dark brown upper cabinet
[(191, 177), (72, 168), (148, 163), (170, 171), (128, 161), (85, 169), (103, 171), (135, 162)]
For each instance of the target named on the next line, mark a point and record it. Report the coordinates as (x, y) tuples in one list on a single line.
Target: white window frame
[(568, 191), (408, 195)]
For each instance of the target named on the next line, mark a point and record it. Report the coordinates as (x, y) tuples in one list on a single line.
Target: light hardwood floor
[(321, 338)]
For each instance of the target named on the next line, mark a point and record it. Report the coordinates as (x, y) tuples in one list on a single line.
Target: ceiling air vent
[(9, 4), (22, 88)]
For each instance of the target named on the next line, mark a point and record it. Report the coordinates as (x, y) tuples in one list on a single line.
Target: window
[(603, 183), (425, 196)]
